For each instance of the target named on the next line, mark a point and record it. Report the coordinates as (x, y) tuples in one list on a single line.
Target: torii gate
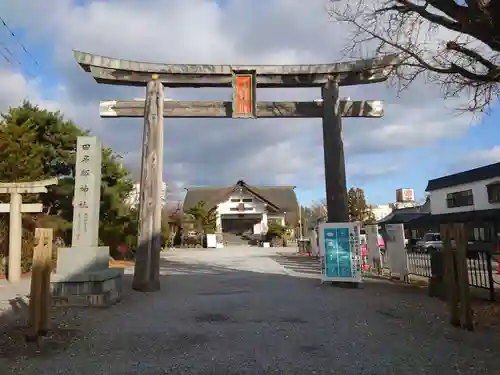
[(15, 208), (244, 79)]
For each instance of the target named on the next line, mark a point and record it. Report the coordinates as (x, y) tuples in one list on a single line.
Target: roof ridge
[(208, 187), (468, 170), (251, 186), (484, 172)]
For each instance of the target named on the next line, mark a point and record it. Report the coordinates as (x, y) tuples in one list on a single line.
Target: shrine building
[(242, 208)]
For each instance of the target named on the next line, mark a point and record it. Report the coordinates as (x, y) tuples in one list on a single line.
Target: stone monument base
[(83, 277), (94, 289)]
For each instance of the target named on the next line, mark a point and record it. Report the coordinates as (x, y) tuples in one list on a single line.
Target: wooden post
[(15, 236), (38, 319), (333, 148), (147, 268), (450, 275), (465, 312)]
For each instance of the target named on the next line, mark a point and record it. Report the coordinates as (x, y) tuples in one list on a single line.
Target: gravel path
[(13, 297), (243, 311)]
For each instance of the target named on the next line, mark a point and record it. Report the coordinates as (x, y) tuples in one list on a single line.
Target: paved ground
[(253, 311), (9, 291)]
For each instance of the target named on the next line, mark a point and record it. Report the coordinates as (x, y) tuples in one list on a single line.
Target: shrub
[(275, 230), (27, 244), (191, 241)]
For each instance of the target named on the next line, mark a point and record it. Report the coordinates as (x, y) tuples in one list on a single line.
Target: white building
[(381, 210), (474, 190), (471, 197), (243, 208), (133, 199), (399, 205)]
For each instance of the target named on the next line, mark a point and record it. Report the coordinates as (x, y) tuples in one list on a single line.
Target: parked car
[(429, 242), (432, 242)]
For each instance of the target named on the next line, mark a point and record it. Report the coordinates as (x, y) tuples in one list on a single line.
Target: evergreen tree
[(38, 144), (359, 209)]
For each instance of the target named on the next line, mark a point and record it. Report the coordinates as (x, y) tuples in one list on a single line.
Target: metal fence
[(479, 264), (419, 264)]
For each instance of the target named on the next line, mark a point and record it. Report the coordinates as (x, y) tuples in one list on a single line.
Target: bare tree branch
[(449, 43)]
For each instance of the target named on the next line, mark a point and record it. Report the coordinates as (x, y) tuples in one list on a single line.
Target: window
[(247, 200), (460, 199), (493, 192), (235, 199), (479, 234), (237, 209)]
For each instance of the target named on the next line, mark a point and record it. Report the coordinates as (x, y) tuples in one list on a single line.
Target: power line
[(18, 40), (12, 59), (5, 57), (9, 57), (9, 52)]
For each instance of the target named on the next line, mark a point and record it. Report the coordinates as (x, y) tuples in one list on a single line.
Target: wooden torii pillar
[(244, 79)]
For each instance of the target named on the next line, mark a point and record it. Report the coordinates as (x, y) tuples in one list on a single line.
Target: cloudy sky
[(420, 137)]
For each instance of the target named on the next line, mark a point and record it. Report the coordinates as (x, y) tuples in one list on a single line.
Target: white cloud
[(15, 88), (204, 152), (479, 158)]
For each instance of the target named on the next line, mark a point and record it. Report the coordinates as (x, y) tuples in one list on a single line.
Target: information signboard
[(340, 252)]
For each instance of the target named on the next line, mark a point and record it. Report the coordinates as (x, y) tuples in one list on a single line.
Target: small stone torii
[(244, 79), (15, 208)]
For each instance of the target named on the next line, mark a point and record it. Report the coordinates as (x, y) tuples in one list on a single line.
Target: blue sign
[(338, 259)]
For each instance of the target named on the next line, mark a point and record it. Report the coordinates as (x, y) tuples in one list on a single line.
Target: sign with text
[(244, 85), (339, 245), (405, 195), (87, 200)]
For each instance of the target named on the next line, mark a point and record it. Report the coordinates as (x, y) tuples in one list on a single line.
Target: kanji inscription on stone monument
[(87, 192)]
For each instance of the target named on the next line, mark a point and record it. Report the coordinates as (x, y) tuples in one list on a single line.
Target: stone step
[(105, 299), (234, 239)]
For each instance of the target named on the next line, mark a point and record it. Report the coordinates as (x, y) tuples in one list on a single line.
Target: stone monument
[(83, 276), (397, 260), (372, 245)]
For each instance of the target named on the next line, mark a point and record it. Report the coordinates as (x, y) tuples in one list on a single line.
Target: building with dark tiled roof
[(471, 197), (406, 214), (475, 190), (487, 172), (243, 208)]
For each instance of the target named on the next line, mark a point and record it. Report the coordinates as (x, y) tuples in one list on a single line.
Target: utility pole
[(300, 222)]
